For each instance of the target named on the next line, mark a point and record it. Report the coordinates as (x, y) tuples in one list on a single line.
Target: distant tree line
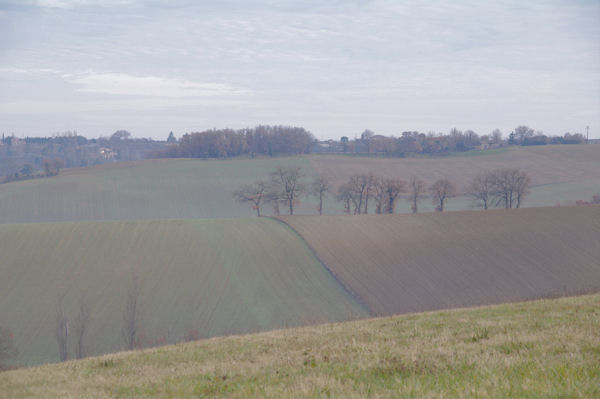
[(225, 143), (410, 143), (285, 187), (595, 200), (25, 158), (20, 156), (51, 168)]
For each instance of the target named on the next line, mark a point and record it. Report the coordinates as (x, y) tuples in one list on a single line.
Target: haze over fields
[(193, 188), (264, 176)]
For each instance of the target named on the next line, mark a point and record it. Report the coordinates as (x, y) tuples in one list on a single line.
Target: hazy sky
[(333, 67)]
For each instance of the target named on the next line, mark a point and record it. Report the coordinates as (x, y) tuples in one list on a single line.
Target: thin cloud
[(384, 64), (148, 86)]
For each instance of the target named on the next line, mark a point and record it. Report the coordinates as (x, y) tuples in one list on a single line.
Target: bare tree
[(130, 330), (379, 194), (370, 179), (7, 346), (62, 330), (392, 189), (253, 194), (416, 192), (496, 136), (289, 184), (81, 324), (521, 133), (482, 189), (510, 187), (522, 184), (275, 198), (320, 188), (52, 166), (441, 190), (345, 196), (361, 187)]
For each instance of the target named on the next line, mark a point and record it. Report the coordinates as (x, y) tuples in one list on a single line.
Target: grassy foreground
[(545, 349)]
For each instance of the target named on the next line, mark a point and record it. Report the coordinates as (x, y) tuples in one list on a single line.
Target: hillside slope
[(540, 349), (152, 189), (217, 276), (409, 263), (545, 164), (194, 188), (559, 173)]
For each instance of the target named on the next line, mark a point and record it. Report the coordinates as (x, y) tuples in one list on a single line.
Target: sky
[(333, 67)]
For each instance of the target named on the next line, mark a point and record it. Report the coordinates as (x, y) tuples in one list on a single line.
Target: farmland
[(203, 269), (218, 277), (193, 188), (225, 276), (546, 348), (409, 263)]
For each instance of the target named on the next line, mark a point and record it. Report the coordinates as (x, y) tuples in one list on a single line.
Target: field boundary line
[(346, 288)]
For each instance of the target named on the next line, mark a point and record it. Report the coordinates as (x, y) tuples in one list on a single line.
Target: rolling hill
[(193, 188), (231, 276), (411, 263), (539, 349), (218, 277)]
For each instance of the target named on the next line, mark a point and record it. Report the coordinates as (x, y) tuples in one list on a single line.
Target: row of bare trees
[(384, 192), (498, 188), (284, 187), (130, 331), (356, 193)]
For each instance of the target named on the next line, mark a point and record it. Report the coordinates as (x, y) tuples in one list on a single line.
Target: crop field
[(153, 189), (218, 277), (408, 263), (545, 165), (538, 349), (193, 188)]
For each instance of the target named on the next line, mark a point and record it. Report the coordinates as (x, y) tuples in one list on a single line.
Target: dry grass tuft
[(547, 348)]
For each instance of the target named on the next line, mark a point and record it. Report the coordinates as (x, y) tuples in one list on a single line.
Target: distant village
[(24, 158)]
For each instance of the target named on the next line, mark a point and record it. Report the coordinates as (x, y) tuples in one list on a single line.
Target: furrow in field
[(407, 263), (218, 277)]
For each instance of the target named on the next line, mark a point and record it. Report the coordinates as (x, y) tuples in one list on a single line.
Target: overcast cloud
[(333, 67)]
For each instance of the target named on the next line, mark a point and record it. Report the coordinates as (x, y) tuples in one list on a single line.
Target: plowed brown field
[(408, 263)]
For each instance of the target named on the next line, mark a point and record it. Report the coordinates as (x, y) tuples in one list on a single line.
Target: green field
[(218, 276), (540, 349), (165, 189), (194, 188)]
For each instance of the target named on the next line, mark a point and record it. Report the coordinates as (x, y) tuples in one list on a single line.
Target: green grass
[(221, 277), (540, 349)]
